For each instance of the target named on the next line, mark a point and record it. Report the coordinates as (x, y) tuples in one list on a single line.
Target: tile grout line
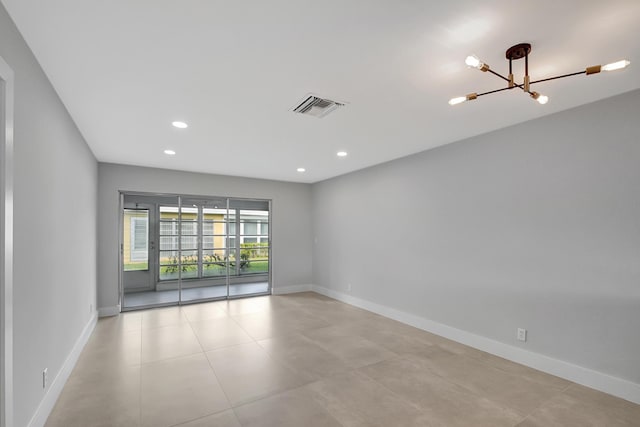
[(545, 401), (490, 367), (215, 375), (278, 362), (196, 335), (414, 405), (243, 329), (454, 383), (165, 359)]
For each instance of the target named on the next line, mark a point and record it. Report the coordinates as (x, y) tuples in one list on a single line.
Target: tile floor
[(307, 360)]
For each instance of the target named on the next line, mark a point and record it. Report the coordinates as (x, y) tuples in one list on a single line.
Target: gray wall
[(55, 227), (534, 226), (291, 217)]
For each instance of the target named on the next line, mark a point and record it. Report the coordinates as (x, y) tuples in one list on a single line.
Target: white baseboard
[(281, 290), (52, 394), (597, 380), (109, 311)]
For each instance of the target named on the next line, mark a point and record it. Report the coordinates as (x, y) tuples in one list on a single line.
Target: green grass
[(256, 267), (136, 266), (212, 271)]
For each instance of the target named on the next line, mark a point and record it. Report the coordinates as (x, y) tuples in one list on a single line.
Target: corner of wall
[(109, 311)]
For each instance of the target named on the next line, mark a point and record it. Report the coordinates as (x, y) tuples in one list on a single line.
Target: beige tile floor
[(304, 360)]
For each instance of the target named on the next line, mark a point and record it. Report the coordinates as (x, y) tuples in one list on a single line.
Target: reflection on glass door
[(178, 243), (138, 266), (207, 248), (136, 245), (214, 242)]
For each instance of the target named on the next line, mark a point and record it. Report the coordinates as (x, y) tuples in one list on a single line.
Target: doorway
[(184, 249)]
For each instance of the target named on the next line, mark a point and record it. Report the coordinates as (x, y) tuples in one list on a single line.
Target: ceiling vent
[(315, 106)]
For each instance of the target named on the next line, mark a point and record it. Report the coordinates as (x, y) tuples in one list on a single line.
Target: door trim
[(120, 234), (6, 246)]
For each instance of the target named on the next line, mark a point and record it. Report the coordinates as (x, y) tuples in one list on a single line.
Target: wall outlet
[(348, 287), (90, 308), (522, 334), (45, 380)]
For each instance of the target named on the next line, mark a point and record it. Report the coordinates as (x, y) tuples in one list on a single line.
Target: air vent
[(315, 106)]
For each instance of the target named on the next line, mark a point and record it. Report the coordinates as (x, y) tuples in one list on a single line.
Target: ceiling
[(126, 69)]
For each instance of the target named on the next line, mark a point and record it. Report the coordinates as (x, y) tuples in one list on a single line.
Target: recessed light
[(301, 169), (169, 152), (180, 125), (341, 154)]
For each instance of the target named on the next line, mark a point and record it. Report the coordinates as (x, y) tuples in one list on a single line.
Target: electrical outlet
[(349, 287), (44, 378), (522, 334), (90, 308)]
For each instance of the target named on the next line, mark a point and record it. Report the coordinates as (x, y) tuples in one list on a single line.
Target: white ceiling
[(232, 70)]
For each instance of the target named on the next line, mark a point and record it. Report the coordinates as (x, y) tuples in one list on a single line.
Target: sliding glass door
[(205, 251), (250, 247), (188, 249), (141, 259)]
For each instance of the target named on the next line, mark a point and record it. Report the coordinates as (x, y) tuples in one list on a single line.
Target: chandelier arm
[(559, 77), (494, 91), (498, 75)]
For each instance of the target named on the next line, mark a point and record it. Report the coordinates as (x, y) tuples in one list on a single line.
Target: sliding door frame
[(6, 244), (180, 197)]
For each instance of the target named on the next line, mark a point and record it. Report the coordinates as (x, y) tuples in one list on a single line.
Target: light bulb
[(461, 99), (543, 99), (180, 125), (458, 100), (473, 61), (169, 152), (615, 65)]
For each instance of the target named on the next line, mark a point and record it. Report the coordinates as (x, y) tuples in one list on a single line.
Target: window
[(250, 228), (254, 241), (168, 237), (136, 244), (139, 238), (213, 241)]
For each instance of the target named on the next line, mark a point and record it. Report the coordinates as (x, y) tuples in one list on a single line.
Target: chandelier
[(519, 51)]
